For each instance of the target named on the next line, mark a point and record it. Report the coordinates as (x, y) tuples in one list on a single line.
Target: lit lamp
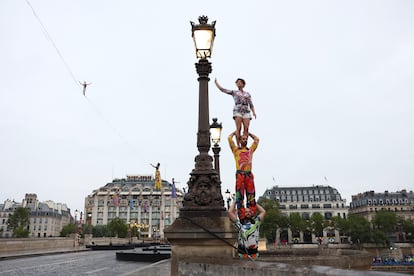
[(203, 37), (227, 193), (215, 133)]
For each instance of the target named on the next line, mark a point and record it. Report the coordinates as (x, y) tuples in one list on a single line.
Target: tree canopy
[(19, 222), (118, 227)]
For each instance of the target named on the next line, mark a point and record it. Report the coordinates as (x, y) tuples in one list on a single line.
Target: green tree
[(87, 229), (385, 220), (380, 238), (359, 229), (408, 228), (268, 204), (269, 225), (118, 228), (317, 222), (101, 231), (67, 230), (297, 224), (341, 224), (19, 222)]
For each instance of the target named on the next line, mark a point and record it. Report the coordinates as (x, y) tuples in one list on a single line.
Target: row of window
[(134, 215), (40, 228), (389, 209), (126, 202), (369, 202), (307, 198), (300, 192), (326, 215), (313, 206), (34, 220), (134, 209)]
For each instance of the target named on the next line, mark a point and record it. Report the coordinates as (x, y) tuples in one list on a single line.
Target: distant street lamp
[(204, 186), (129, 232), (227, 193), (76, 223), (215, 132), (80, 222)]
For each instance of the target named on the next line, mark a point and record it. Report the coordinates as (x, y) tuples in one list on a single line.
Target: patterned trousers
[(245, 186)]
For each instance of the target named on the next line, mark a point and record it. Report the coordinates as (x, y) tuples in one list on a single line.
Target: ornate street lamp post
[(76, 218), (215, 132), (204, 186), (202, 230)]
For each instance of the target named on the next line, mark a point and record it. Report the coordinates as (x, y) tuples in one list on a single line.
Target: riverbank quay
[(238, 267), (25, 247), (42, 252)]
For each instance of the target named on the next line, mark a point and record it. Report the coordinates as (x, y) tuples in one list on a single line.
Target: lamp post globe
[(203, 36), (215, 131)]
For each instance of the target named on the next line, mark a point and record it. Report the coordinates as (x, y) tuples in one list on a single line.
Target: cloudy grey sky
[(332, 83)]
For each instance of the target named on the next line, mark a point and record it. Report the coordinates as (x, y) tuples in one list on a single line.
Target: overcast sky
[(332, 83)]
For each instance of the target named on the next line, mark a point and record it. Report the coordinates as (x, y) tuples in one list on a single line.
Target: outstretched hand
[(218, 85)]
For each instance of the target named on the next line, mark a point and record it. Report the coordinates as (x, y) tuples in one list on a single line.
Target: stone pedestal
[(201, 234)]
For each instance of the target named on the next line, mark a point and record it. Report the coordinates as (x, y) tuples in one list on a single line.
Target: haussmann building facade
[(307, 200), (137, 202), (367, 204), (46, 219)]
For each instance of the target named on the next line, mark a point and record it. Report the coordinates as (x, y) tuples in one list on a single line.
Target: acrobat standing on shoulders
[(243, 157), (242, 106)]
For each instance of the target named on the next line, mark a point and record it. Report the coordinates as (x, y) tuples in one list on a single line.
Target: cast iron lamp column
[(204, 186), (215, 132)]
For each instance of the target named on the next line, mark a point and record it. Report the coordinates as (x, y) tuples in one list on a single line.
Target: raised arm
[(222, 89), (233, 211), (262, 212), (255, 138), (218, 85), (231, 141)]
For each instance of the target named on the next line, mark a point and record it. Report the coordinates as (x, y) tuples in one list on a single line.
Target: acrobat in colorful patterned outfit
[(244, 176), (157, 181), (242, 103), (248, 238)]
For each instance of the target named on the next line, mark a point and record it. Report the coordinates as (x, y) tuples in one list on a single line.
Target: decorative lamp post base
[(204, 237)]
